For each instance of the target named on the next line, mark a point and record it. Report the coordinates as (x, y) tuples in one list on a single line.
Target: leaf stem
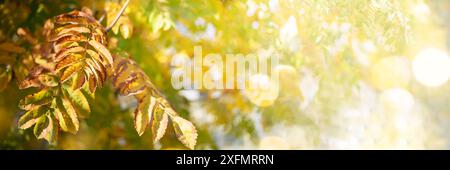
[(118, 15)]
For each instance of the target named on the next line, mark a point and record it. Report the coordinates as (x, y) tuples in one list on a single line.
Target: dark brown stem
[(118, 15)]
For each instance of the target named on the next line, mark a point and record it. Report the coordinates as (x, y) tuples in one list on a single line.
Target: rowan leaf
[(30, 117), (159, 124), (46, 128), (79, 101), (185, 131), (129, 79), (92, 84), (141, 116), (75, 17), (67, 117), (48, 80), (69, 71), (67, 61), (79, 80), (102, 50), (68, 29), (42, 97), (63, 53), (133, 85)]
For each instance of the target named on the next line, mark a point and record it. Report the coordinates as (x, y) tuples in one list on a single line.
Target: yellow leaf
[(79, 80), (102, 50), (30, 117), (48, 80), (69, 71), (159, 124), (142, 114), (185, 131), (46, 128), (67, 61), (37, 99), (63, 53), (78, 101), (68, 119)]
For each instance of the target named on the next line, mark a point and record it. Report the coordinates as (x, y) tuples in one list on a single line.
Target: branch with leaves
[(76, 62)]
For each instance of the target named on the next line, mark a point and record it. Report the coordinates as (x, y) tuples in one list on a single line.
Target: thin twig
[(118, 15), (102, 17)]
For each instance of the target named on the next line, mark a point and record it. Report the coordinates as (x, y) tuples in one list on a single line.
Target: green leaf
[(30, 117), (68, 120), (42, 97), (46, 128), (185, 130), (79, 102)]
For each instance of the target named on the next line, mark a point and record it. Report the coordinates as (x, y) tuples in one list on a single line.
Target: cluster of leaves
[(75, 63), (152, 108)]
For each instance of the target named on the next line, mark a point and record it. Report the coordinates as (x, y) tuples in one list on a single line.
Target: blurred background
[(354, 74)]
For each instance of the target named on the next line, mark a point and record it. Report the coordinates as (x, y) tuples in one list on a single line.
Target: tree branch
[(118, 15)]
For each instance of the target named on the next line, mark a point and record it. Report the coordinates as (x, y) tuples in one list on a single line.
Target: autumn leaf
[(159, 124), (30, 117), (78, 100), (142, 114), (46, 128), (78, 40), (5, 77), (152, 108), (67, 117), (185, 131), (42, 97)]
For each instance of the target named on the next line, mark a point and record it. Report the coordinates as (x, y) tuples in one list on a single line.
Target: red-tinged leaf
[(79, 80), (92, 84), (58, 47), (11, 47), (75, 17), (69, 71), (63, 53), (70, 38), (102, 51), (69, 29), (133, 85), (42, 97), (121, 75)]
